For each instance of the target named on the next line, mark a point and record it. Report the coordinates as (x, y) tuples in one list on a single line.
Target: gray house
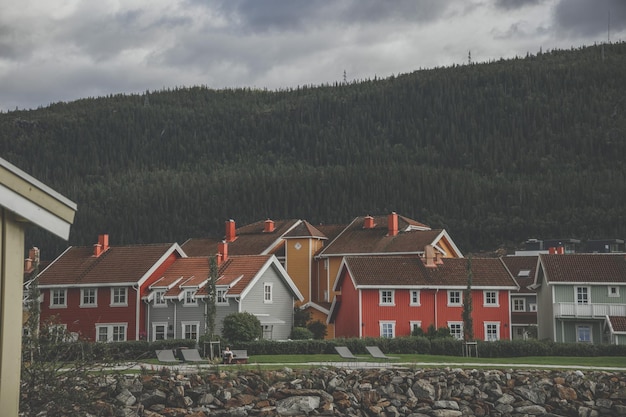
[(581, 298), (257, 284), (524, 300)]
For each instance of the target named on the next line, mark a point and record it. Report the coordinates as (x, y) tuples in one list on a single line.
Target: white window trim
[(497, 295), (460, 324), (269, 285), (419, 298), (52, 303), (82, 298), (413, 324), (588, 295), (391, 303), (194, 302), (492, 323), (513, 300), (183, 324), (460, 303), (616, 294), (113, 303), (154, 326), (532, 307), (159, 300), (383, 323), (578, 326), (217, 298), (109, 327)]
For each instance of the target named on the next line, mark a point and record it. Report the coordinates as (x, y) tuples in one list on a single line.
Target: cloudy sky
[(62, 50)]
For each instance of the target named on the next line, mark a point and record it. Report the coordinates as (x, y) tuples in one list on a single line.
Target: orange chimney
[(438, 258), (222, 252), (558, 250), (429, 256), (368, 222), (269, 226), (231, 235), (101, 246), (392, 224)]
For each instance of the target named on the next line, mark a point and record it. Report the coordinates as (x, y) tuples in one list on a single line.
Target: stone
[(294, 406)]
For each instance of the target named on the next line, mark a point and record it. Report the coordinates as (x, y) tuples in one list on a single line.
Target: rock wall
[(367, 392)]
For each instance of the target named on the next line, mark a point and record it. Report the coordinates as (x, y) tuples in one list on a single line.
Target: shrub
[(241, 327), (301, 333), (318, 329)]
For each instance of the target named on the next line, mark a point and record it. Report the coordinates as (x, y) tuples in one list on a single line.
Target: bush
[(301, 333), (318, 329), (241, 327)]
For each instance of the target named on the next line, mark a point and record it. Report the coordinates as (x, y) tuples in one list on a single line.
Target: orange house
[(390, 296)]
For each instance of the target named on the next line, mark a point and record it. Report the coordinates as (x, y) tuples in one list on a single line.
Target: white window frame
[(111, 330), (456, 294), (220, 296), (582, 295), (159, 300), (190, 298), (514, 306), (413, 324), (154, 330), (386, 297), (387, 329), (55, 298), (613, 294), (452, 327), (487, 299), (532, 307), (268, 292), (489, 325), (115, 295), (416, 298), (184, 324), (579, 327), (83, 294)]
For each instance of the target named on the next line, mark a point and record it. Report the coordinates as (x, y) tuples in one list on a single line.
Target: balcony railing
[(588, 310)]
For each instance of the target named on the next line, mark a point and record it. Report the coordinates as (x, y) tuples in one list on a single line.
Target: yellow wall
[(299, 262)]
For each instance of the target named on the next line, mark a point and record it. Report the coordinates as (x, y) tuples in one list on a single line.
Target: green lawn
[(434, 360)]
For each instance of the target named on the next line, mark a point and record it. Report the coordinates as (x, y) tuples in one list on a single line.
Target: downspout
[(137, 315), (436, 295), (360, 314), (175, 323)]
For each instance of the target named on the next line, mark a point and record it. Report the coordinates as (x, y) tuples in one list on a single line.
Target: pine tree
[(211, 299), (468, 322)]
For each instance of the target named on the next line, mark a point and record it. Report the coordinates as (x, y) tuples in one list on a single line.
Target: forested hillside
[(495, 153)]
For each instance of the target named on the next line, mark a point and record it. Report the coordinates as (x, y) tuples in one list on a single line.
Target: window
[(613, 291), (416, 327), (519, 304), (58, 298), (113, 332), (159, 298), (491, 298), (582, 295), (221, 297), (386, 297), (532, 306), (492, 331), (583, 333), (267, 292), (159, 331), (267, 331), (454, 298), (190, 298), (388, 329), (456, 329), (190, 330), (119, 296), (89, 297), (523, 273), (415, 297)]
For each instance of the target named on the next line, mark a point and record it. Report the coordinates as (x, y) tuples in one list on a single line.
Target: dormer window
[(523, 273), (190, 298), (159, 298)]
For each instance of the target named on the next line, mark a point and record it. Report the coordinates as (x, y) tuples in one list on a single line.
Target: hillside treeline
[(495, 152)]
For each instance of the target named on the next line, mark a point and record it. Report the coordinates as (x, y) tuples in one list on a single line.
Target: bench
[(239, 357)]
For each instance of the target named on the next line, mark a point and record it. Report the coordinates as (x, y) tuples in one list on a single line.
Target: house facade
[(524, 299), (391, 296), (581, 298), (95, 292)]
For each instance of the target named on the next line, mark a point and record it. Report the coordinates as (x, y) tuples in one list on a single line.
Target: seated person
[(228, 355)]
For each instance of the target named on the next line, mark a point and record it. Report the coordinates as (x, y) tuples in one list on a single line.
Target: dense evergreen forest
[(495, 152)]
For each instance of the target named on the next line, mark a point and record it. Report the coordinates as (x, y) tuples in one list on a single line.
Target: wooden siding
[(299, 264), (223, 310), (189, 313), (566, 330), (347, 322), (164, 314), (280, 308)]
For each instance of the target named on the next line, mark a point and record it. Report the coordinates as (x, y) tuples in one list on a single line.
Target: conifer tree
[(468, 321)]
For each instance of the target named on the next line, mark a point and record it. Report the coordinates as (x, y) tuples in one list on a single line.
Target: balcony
[(588, 310)]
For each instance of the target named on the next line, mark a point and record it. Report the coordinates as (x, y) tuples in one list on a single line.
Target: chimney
[(392, 224), (438, 258), (222, 252), (101, 246), (33, 254), (230, 231), (429, 256), (556, 250), (368, 222), (269, 226)]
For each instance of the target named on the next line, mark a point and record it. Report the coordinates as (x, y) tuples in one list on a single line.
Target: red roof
[(618, 323), (251, 239), (118, 264), (584, 267), (305, 229), (408, 271), (523, 270), (238, 270), (186, 273)]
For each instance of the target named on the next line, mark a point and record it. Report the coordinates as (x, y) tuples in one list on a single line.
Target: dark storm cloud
[(510, 5), (583, 18)]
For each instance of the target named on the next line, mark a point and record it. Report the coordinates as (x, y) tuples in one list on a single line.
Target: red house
[(95, 292), (389, 296)]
